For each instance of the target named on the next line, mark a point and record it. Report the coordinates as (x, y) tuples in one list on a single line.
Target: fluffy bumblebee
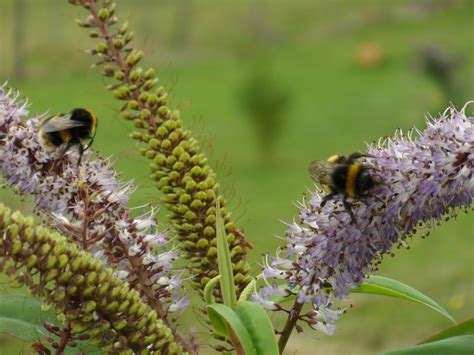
[(68, 130), (341, 175)]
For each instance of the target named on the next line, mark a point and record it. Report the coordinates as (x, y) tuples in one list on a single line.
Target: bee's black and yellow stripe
[(345, 177)]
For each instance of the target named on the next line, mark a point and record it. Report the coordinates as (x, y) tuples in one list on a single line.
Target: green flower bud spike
[(176, 161), (28, 251)]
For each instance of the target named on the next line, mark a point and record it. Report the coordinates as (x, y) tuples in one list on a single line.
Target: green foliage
[(463, 328), (247, 326), (385, 286), (22, 316), (224, 262), (265, 101), (460, 345)]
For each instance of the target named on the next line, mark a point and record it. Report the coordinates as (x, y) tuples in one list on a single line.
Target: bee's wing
[(59, 123), (320, 171)]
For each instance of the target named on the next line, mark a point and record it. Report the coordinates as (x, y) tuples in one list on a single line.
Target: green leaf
[(21, 329), (210, 286), (460, 345), (224, 261), (464, 328), (227, 322), (21, 316), (385, 286), (259, 326)]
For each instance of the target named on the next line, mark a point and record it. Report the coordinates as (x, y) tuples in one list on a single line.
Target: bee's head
[(83, 115), (364, 181)]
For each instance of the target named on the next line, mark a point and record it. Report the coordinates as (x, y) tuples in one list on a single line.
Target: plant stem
[(289, 325), (65, 334)]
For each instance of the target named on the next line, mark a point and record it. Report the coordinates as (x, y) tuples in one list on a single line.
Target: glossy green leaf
[(224, 262), (464, 328), (226, 322), (460, 345), (21, 316), (259, 326), (21, 329), (25, 308), (385, 286)]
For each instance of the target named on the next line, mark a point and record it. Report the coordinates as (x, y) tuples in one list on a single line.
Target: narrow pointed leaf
[(464, 328), (460, 345), (227, 322), (21, 329), (25, 308), (224, 261), (259, 326), (380, 285)]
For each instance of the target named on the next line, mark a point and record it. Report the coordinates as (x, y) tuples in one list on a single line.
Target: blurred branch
[(18, 38)]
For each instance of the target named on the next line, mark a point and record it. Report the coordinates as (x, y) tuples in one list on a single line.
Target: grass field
[(336, 106)]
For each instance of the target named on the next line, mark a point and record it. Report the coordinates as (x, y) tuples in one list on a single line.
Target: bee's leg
[(326, 199), (81, 152), (348, 208), (354, 156)]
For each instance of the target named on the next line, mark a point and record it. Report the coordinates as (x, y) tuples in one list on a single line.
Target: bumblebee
[(68, 130), (341, 175)]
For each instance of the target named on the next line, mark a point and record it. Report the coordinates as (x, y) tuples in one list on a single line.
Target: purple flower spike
[(86, 203), (421, 177)]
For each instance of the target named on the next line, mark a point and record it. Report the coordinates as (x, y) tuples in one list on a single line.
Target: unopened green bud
[(78, 279), (212, 252), (119, 75), (138, 123), (134, 57), (103, 289), (129, 36), (51, 274), (149, 84), (143, 96), (123, 306), (150, 154), (121, 93), (133, 105), (119, 43), (103, 14), (91, 278), (124, 28), (161, 132), (163, 99), (65, 276), (165, 144), (145, 114), (163, 111), (202, 243), (141, 311), (45, 249), (32, 261), (101, 47), (135, 74), (150, 73), (51, 261), (79, 327), (111, 307), (151, 101), (88, 291), (59, 294)]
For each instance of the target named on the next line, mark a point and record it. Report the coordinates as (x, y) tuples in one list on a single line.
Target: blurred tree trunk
[(184, 17), (19, 14)]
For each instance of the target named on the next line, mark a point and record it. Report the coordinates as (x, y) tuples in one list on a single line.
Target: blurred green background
[(267, 86)]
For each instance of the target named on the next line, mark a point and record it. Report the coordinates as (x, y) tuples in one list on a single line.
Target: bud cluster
[(82, 290)]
